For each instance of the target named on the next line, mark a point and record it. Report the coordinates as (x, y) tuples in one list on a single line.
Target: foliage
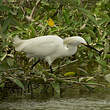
[(66, 18)]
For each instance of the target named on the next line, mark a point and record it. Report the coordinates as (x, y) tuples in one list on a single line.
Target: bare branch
[(30, 18)]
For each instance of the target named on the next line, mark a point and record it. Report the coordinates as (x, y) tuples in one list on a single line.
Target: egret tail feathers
[(17, 43)]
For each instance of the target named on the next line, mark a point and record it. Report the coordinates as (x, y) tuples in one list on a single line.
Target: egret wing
[(40, 47)]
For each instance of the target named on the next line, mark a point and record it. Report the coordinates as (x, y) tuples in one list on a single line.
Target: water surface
[(80, 103)]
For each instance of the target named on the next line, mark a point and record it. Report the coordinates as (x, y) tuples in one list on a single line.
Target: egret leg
[(51, 70), (35, 63)]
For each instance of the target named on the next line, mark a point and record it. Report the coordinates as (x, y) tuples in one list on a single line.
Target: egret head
[(76, 40)]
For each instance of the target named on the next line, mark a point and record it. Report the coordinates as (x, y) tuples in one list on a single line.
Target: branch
[(30, 18), (55, 68)]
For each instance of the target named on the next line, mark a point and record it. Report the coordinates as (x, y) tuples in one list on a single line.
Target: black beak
[(89, 46)]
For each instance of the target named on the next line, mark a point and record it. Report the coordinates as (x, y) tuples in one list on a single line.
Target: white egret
[(49, 47)]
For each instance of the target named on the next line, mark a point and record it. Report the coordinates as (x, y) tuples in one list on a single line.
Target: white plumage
[(48, 47)]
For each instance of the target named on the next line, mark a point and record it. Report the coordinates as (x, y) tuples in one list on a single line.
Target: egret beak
[(85, 44), (89, 46)]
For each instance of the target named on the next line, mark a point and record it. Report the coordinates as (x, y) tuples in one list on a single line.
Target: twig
[(22, 10), (34, 9), (68, 63), (30, 18), (97, 84), (55, 68), (70, 81)]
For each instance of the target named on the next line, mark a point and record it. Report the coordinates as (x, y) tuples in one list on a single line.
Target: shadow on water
[(71, 100), (83, 102)]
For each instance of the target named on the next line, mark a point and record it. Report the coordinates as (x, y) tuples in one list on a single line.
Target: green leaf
[(88, 38), (3, 56), (15, 22), (101, 61), (107, 56), (32, 31), (66, 16), (89, 31), (6, 24), (89, 15), (1, 2), (10, 61), (45, 3), (89, 78), (85, 79), (79, 2), (2, 85), (69, 74), (81, 79), (17, 82), (4, 8)]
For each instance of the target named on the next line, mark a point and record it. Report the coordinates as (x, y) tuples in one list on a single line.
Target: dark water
[(87, 103), (92, 101)]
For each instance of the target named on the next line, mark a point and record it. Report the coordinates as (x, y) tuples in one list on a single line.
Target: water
[(81, 103)]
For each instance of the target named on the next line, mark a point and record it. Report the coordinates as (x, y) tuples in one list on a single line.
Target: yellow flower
[(50, 22)]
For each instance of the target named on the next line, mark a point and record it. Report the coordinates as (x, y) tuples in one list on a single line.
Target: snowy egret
[(49, 47)]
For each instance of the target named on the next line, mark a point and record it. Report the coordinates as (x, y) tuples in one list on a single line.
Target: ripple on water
[(61, 104)]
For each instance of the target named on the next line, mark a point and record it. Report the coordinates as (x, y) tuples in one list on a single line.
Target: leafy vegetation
[(30, 18)]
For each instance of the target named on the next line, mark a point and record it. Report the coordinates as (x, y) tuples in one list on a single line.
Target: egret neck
[(69, 50)]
